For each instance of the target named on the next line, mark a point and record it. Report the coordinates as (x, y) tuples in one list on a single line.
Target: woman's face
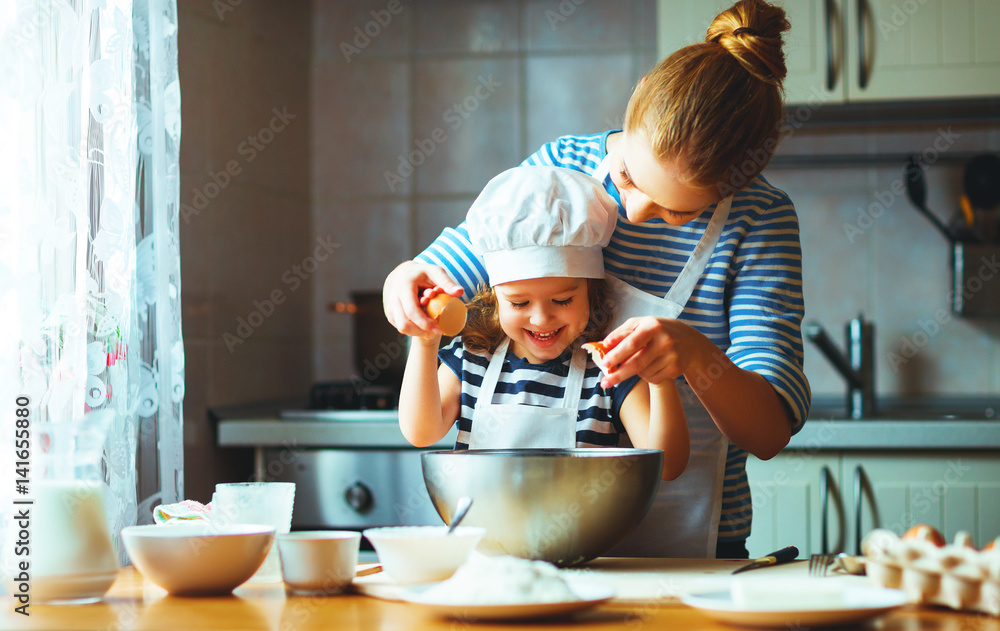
[(542, 316), (650, 187)]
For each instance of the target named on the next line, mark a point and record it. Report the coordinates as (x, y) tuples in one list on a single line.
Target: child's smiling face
[(543, 316)]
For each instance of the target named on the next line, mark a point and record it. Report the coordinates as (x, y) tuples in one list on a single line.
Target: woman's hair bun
[(751, 31)]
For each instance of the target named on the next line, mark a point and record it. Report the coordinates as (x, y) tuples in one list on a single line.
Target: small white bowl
[(199, 559), (420, 554), (319, 561)]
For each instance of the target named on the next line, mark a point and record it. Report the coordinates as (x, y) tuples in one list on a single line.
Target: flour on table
[(501, 580)]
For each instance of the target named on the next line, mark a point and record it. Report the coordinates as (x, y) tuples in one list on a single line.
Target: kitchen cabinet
[(799, 494), (842, 51), (788, 495)]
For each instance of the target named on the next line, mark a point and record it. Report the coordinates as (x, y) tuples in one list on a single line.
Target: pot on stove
[(379, 349)]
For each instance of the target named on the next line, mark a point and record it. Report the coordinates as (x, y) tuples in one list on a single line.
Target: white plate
[(862, 603), (590, 595)]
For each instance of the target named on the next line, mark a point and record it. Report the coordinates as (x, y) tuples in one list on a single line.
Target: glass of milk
[(61, 531), (266, 503)]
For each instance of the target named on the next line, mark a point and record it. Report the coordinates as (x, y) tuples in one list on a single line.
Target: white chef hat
[(541, 221)]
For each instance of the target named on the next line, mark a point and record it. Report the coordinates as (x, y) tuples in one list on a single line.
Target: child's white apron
[(515, 426)]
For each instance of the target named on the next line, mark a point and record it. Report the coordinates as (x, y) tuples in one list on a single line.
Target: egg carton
[(954, 575)]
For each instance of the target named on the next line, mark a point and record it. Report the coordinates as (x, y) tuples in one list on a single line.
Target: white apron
[(514, 426), (684, 518)]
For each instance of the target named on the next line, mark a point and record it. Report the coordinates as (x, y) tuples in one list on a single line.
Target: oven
[(354, 489)]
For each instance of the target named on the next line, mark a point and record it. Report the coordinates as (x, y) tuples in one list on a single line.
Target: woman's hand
[(744, 406), (656, 349), (402, 291)]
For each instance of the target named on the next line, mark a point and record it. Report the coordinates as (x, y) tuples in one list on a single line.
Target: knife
[(780, 556)]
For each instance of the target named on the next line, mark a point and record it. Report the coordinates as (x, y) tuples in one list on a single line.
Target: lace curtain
[(90, 313)]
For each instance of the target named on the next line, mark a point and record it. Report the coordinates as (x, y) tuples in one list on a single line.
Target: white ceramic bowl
[(198, 559), (420, 554), (319, 561)]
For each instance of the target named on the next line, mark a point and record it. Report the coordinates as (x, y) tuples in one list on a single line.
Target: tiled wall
[(568, 67), (244, 76), (895, 268), (455, 92), (442, 96)]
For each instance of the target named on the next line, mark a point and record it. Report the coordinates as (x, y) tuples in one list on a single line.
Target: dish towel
[(185, 510)]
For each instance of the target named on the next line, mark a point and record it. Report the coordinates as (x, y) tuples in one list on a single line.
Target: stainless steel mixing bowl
[(565, 506)]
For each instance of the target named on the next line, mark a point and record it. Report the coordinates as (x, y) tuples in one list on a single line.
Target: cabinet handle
[(860, 484), (830, 79), (824, 499), (862, 47), (863, 486)]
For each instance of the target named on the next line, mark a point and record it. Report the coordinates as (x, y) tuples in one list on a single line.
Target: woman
[(707, 263)]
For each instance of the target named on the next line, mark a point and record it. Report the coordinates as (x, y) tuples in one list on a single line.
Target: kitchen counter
[(307, 434), (818, 435), (134, 603), (948, 424), (882, 435)]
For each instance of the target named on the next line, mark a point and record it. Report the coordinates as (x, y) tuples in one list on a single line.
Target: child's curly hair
[(483, 334)]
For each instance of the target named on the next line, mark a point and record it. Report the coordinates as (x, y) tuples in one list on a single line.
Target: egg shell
[(450, 313), (597, 352), (925, 532)]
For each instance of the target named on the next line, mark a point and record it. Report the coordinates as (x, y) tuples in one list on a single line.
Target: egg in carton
[(932, 572)]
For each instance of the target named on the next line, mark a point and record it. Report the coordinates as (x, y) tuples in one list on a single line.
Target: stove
[(348, 395)]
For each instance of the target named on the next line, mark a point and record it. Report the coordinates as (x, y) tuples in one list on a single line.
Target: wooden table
[(134, 603)]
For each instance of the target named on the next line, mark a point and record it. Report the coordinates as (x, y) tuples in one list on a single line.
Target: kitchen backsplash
[(326, 141), (245, 224), (497, 79)]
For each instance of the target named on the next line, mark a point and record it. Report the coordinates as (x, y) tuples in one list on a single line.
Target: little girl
[(517, 376)]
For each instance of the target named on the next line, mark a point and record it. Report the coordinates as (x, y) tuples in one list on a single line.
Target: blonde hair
[(483, 334), (716, 107)]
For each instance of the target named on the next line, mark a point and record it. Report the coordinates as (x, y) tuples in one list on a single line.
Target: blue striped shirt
[(598, 423), (748, 301)]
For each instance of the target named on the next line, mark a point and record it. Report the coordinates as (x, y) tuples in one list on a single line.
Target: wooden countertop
[(134, 603)]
